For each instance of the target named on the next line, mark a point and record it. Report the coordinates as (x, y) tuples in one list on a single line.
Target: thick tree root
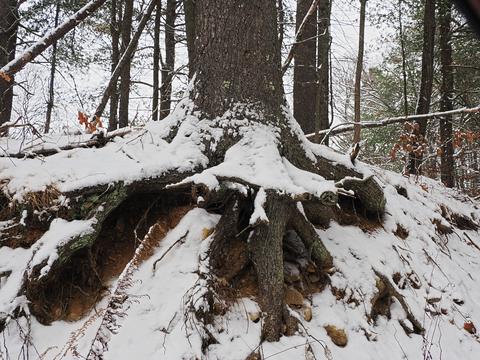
[(318, 252), (382, 301), (265, 248)]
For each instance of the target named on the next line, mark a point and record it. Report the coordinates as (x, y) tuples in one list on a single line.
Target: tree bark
[(156, 60), (446, 90), (125, 75), (323, 50), (225, 62), (115, 16), (169, 66), (358, 73), (404, 60), (304, 72), (53, 67), (8, 41), (124, 59), (426, 82), (189, 7), (265, 247)]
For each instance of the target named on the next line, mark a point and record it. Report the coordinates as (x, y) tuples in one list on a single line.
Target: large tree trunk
[(304, 73), (358, 72), (446, 128), (8, 40), (125, 75), (241, 64), (115, 16), (323, 50), (425, 93), (168, 67)]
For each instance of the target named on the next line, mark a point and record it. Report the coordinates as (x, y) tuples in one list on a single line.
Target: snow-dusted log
[(48, 39)]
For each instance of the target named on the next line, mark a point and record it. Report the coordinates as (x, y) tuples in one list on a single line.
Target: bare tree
[(53, 67), (404, 60), (322, 121), (189, 7), (446, 129), (426, 82), (304, 73), (126, 33), (115, 16), (156, 60), (8, 39), (168, 67), (358, 72)]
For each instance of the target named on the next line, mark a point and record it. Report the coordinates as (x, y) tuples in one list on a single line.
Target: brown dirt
[(401, 232), (86, 276)]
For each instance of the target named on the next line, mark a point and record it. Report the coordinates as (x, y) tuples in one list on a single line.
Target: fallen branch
[(349, 126), (97, 140), (50, 37), (181, 239), (299, 33)]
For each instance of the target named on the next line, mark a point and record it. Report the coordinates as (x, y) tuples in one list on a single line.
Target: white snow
[(443, 268)]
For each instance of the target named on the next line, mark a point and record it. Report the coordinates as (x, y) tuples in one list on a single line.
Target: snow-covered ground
[(436, 273)]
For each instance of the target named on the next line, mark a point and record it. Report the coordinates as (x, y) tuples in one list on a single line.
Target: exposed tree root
[(382, 301), (265, 248), (258, 242)]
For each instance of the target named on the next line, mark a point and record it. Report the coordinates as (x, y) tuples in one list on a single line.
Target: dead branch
[(50, 37), (349, 126), (97, 140)]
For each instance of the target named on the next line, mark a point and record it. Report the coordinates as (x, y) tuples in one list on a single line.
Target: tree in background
[(446, 93), (168, 66), (115, 17), (304, 73), (358, 72), (426, 83), (8, 40), (324, 41), (126, 33)]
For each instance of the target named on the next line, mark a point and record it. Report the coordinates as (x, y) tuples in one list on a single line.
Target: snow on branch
[(349, 126), (50, 37)]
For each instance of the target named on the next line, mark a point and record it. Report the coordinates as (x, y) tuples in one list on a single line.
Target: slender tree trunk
[(115, 16), (304, 72), (404, 60), (8, 41), (169, 66), (53, 68), (446, 128), (125, 74), (323, 50), (358, 72), (156, 60), (425, 93), (189, 7)]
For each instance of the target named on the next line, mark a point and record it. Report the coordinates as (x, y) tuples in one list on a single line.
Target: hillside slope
[(415, 271)]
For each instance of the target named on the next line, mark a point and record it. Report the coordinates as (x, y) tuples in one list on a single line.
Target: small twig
[(169, 248)]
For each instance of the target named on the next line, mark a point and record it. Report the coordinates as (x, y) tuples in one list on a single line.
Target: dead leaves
[(5, 76), (90, 126)]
